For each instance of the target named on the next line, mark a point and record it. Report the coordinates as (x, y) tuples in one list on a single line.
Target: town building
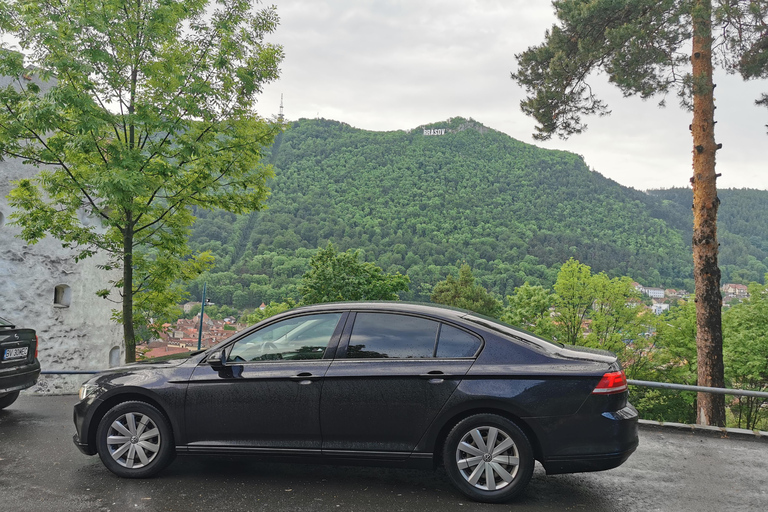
[(735, 290), (183, 336), (654, 293)]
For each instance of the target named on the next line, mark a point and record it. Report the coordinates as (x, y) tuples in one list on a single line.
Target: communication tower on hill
[(280, 116)]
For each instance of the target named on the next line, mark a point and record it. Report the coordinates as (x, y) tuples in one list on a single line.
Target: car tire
[(488, 458), (8, 399), (135, 440)]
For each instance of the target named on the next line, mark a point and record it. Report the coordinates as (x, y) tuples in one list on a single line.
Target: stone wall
[(75, 335)]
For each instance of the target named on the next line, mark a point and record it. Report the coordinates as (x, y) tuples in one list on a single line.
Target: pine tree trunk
[(706, 273)]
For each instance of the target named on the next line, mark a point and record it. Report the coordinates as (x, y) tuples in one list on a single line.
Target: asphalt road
[(41, 470)]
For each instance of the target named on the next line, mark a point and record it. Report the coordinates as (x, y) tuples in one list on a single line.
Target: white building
[(45, 290), (654, 293)]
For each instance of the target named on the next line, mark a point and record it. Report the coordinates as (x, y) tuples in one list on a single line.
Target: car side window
[(297, 338), (386, 335), (454, 342)]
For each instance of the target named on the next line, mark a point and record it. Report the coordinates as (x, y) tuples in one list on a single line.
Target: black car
[(371, 383), (19, 367)]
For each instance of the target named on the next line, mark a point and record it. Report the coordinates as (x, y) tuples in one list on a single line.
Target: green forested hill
[(419, 204), (742, 228)]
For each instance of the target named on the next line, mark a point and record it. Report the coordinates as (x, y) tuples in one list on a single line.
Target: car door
[(387, 383), (266, 395)]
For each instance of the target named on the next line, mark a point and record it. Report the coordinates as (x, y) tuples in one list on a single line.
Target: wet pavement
[(41, 470)]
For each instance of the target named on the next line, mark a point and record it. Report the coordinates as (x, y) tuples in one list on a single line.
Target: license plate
[(16, 353)]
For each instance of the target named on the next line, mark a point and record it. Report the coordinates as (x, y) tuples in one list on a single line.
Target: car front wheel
[(488, 458), (134, 440)]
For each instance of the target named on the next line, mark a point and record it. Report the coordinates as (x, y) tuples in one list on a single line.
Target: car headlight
[(87, 390)]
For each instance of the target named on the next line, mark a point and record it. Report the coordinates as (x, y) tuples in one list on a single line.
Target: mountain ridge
[(421, 204)]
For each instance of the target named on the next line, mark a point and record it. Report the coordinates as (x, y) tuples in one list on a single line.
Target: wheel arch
[(128, 396), (442, 434)]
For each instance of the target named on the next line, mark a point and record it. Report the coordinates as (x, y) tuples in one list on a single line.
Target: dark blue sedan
[(390, 384), (19, 367)]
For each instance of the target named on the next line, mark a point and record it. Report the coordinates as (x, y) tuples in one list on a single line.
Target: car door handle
[(304, 378), (435, 376)]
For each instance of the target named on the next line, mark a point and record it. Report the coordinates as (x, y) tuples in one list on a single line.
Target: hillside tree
[(466, 294), (341, 276), (652, 48), (746, 352), (135, 111), (529, 307)]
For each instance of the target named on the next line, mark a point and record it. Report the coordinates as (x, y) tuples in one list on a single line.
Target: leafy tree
[(671, 358), (573, 300), (340, 276), (529, 308), (616, 318), (596, 311), (746, 354), (142, 109), (220, 312), (676, 334), (271, 309), (642, 46), (464, 293)]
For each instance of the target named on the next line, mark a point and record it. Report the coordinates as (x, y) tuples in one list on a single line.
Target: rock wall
[(75, 334)]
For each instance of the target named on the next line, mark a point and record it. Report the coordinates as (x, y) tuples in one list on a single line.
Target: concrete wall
[(77, 337)]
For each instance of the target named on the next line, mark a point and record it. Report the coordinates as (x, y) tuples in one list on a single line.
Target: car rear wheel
[(8, 399), (134, 440), (488, 458)]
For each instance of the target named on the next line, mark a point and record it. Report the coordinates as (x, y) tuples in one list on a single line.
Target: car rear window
[(456, 343), (514, 332)]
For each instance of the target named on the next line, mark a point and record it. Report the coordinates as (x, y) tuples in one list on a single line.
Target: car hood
[(150, 365)]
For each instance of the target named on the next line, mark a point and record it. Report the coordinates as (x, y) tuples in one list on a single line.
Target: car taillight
[(36, 343), (614, 382)]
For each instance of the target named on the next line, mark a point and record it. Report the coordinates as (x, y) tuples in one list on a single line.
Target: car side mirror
[(217, 359)]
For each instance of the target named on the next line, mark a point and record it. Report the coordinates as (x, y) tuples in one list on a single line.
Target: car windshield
[(511, 330)]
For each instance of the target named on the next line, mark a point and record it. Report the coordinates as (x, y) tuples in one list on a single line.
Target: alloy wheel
[(133, 440), (487, 458)]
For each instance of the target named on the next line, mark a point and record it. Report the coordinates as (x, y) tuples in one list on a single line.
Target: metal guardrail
[(704, 389)]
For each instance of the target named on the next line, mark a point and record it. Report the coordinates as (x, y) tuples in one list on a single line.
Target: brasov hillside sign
[(434, 131)]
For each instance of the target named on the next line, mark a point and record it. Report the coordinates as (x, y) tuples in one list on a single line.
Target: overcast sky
[(398, 64)]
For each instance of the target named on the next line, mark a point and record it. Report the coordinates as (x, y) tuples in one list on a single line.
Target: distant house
[(659, 308), (189, 305), (654, 293), (185, 335), (165, 351), (735, 290)]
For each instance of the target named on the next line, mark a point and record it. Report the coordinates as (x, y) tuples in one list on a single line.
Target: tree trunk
[(706, 273), (128, 332)]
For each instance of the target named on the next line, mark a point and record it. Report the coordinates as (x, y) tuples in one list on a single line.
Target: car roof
[(402, 307)]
